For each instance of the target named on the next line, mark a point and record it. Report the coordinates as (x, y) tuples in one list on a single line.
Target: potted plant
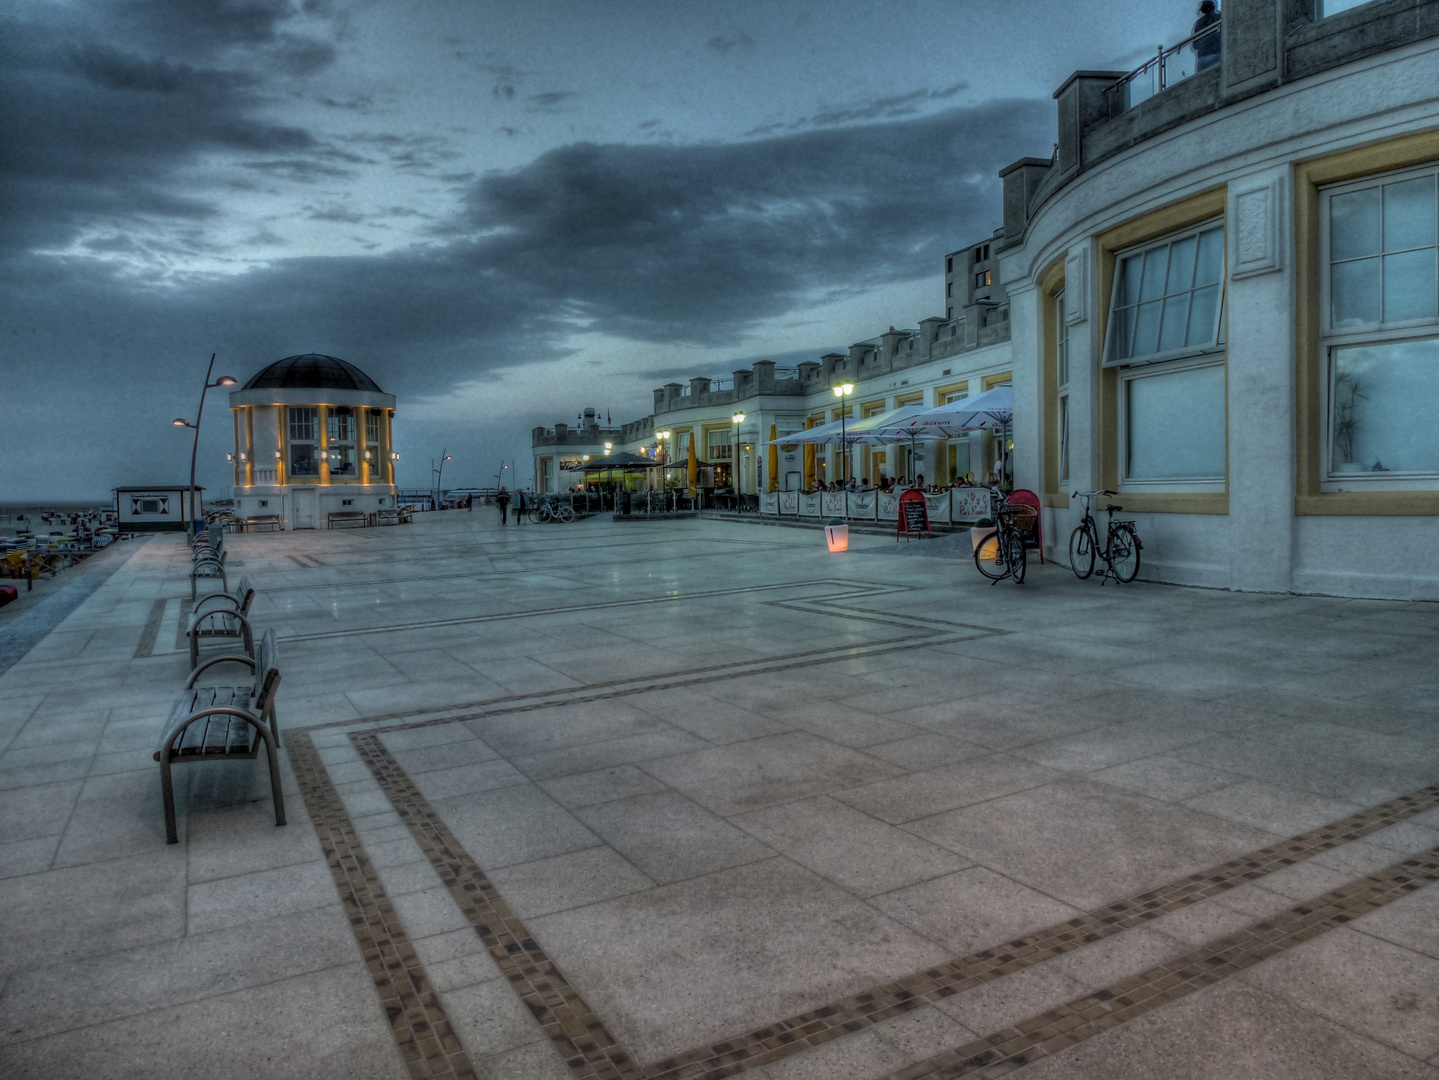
[(979, 530)]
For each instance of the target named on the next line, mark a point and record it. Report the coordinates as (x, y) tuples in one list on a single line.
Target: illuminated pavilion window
[(341, 429), (304, 441)]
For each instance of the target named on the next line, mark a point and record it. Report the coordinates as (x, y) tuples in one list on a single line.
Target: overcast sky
[(502, 211)]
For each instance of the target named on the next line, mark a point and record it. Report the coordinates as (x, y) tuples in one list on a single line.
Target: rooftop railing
[(1170, 65)]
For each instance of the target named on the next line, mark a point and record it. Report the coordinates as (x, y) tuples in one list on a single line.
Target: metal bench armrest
[(190, 683), (200, 616)]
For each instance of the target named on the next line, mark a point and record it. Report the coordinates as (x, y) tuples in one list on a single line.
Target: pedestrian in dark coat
[(1206, 49), (521, 505), (502, 500)]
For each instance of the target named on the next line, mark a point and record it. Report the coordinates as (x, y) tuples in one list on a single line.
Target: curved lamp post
[(223, 380), (439, 477), (842, 391)]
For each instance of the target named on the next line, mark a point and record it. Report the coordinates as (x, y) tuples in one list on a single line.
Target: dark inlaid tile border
[(929, 631), (1081, 1019), (588, 1047), (577, 1033), (146, 645), (881, 1003), (422, 1031)]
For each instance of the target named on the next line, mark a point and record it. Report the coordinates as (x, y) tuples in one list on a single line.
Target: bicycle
[(547, 510), (1001, 554), (1121, 543)]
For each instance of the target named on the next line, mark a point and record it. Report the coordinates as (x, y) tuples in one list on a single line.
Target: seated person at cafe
[(884, 483), (919, 481), (864, 484)]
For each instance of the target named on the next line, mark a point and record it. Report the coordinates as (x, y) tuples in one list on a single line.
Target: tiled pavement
[(698, 800)]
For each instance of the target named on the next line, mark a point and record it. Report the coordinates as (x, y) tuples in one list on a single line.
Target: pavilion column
[(323, 413)]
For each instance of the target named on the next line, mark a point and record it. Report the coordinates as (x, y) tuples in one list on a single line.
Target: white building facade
[(1225, 306)]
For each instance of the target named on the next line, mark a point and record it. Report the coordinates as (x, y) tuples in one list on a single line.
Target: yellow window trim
[(999, 378), (942, 392), (1146, 227), (871, 408), (1392, 155), (1051, 284), (914, 398)]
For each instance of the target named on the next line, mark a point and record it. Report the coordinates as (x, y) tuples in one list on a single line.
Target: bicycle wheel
[(1081, 552), (564, 513), (1016, 558), (1124, 553), (989, 558)]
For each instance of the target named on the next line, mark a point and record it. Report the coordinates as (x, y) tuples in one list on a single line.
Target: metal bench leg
[(275, 789), (167, 793)]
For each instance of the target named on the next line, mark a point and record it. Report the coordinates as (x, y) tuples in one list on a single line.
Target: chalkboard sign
[(913, 515)]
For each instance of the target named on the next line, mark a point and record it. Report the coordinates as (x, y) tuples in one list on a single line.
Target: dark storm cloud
[(691, 245), (103, 104), (695, 243), (725, 43), (549, 101)]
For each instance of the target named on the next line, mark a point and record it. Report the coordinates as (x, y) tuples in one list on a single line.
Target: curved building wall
[(1223, 445)]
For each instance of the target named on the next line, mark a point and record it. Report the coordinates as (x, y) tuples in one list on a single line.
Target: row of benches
[(222, 723)]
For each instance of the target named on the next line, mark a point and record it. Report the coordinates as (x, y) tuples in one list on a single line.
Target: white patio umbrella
[(991, 410)]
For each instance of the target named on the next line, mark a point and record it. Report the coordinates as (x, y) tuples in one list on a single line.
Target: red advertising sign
[(913, 515)]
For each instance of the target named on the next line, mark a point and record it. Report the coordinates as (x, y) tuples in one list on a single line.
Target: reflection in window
[(1383, 401), (1382, 247), (1175, 425)]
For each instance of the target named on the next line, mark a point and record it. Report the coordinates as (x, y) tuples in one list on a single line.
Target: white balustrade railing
[(945, 508)]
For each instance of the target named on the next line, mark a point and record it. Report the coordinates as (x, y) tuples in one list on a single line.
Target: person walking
[(521, 505), (502, 500), (1206, 49)]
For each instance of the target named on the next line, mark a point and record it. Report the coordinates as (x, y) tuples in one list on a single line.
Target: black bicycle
[(1001, 555), (1121, 543)]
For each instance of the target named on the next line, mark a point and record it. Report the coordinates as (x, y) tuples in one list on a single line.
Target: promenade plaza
[(696, 798)]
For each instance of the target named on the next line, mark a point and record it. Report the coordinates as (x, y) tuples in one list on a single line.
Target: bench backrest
[(244, 596), (267, 672)]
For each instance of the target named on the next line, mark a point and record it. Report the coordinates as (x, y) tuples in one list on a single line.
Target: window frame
[(1215, 344), (1332, 339), (1168, 484)]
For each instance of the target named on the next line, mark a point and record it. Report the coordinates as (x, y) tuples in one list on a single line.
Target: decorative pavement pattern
[(592, 1053), (422, 1031)]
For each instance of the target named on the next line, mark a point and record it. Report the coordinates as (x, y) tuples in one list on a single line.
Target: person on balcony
[(1206, 49)]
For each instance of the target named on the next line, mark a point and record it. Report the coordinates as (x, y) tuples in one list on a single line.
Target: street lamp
[(223, 380), (842, 391), (439, 474), (737, 419)]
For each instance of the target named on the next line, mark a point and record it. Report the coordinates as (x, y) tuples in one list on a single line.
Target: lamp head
[(447, 457), (848, 388), (738, 418), (225, 380)]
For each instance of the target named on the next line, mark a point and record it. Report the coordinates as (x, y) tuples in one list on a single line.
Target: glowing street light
[(737, 419), (842, 391)]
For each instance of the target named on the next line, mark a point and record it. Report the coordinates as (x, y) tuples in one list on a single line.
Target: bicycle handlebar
[(1090, 494)]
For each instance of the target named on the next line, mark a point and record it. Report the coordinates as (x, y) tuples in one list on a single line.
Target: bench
[(222, 723), (387, 517), (348, 519), (222, 615), (263, 523), (205, 563)]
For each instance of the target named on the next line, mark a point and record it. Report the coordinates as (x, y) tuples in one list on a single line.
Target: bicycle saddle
[(1113, 509)]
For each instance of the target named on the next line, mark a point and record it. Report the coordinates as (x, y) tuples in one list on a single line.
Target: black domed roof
[(312, 371)]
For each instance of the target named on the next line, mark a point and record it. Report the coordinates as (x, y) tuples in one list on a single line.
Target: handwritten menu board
[(913, 515)]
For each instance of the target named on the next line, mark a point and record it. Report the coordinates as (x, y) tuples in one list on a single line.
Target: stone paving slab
[(693, 800)]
